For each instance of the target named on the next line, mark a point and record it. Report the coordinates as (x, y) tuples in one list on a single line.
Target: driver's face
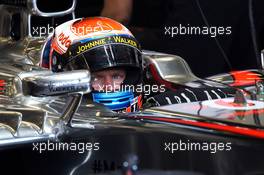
[(108, 80)]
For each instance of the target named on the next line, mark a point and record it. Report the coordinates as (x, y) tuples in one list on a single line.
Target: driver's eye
[(96, 78), (117, 76)]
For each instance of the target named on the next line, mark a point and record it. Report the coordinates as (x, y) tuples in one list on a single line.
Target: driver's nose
[(108, 82)]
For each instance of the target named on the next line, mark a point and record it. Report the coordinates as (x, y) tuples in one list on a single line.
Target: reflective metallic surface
[(34, 122), (262, 59), (57, 83), (174, 70), (35, 10), (171, 67)]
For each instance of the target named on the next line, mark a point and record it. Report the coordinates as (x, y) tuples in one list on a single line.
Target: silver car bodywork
[(36, 103)]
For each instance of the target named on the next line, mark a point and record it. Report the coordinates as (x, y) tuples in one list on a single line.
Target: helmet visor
[(107, 56)]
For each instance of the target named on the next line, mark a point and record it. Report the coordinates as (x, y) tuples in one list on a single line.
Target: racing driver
[(108, 50), (113, 56)]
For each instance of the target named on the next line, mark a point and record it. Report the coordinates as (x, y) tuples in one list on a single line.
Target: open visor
[(107, 56), (110, 56)]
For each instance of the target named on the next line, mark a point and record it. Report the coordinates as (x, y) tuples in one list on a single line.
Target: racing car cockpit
[(171, 68), (40, 109)]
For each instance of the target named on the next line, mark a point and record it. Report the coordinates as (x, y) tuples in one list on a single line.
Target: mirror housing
[(54, 84), (34, 9), (262, 59)]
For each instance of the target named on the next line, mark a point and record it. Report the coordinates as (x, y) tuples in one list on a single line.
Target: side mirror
[(262, 59), (53, 84), (34, 6)]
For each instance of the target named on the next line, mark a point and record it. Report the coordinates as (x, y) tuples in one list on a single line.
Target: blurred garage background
[(206, 55)]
